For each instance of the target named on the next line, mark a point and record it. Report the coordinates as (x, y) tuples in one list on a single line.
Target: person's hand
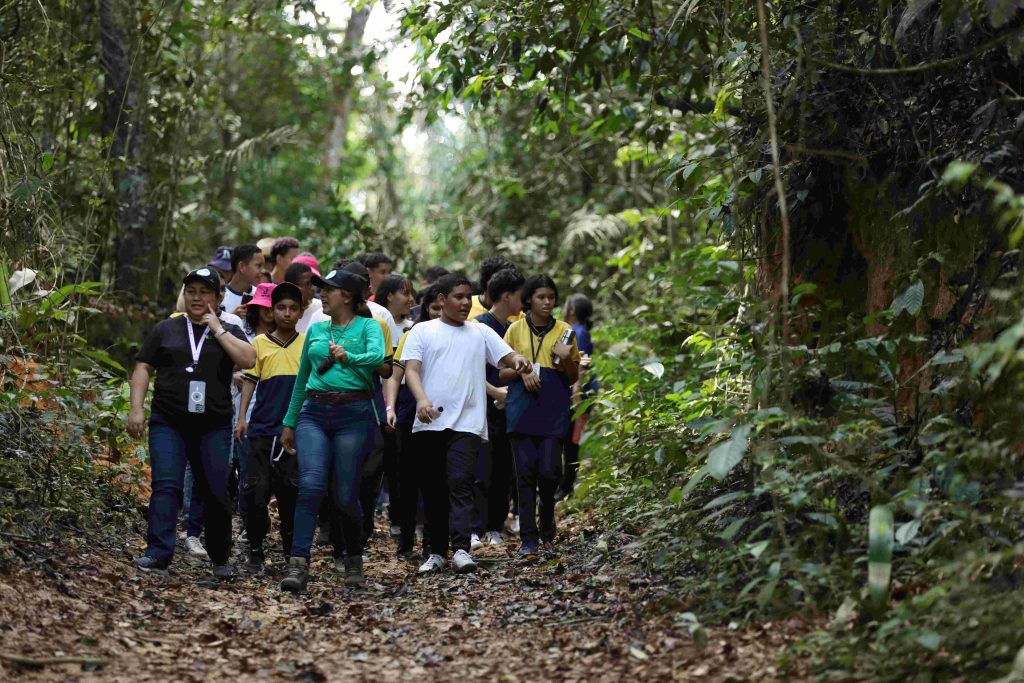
[(337, 351), (426, 411), (136, 422), (212, 320), (531, 381), (521, 365), (391, 419), (561, 351), (241, 429), (499, 400), (240, 311), (288, 440), (238, 379)]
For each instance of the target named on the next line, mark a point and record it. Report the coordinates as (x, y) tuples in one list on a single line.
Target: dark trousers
[(447, 462), (171, 445), (570, 461), (369, 488), (391, 475), (538, 473), (412, 490), (494, 478), (264, 477), (192, 506)]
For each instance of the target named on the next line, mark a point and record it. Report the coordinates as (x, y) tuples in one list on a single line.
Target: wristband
[(389, 409), (219, 333)]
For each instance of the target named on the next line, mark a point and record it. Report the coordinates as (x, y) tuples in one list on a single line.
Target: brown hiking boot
[(354, 571)]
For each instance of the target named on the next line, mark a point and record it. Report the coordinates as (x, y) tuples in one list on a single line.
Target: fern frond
[(584, 226), (241, 154)]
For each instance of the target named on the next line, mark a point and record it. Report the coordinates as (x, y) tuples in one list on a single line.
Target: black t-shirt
[(167, 349)]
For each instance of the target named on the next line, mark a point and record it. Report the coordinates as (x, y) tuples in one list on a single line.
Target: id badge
[(536, 369), (197, 397)]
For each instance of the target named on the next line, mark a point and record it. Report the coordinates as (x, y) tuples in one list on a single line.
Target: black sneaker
[(354, 571), (296, 574), (528, 553), (255, 560), (146, 563), (224, 572)]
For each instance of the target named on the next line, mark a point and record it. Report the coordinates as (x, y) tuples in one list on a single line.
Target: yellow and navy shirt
[(274, 374), (479, 309), (545, 412)]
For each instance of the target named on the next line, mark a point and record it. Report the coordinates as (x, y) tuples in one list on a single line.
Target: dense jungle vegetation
[(799, 222)]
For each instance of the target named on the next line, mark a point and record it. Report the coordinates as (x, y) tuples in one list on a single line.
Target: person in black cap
[(193, 356), (330, 420)]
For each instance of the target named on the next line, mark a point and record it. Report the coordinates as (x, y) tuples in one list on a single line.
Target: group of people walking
[(322, 386)]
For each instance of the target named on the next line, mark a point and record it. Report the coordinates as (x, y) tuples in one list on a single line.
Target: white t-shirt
[(233, 299), (378, 311), (454, 358), (398, 329), (314, 313)]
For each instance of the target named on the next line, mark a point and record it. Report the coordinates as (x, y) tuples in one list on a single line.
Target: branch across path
[(578, 617)]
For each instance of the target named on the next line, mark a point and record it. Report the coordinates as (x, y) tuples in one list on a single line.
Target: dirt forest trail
[(578, 617)]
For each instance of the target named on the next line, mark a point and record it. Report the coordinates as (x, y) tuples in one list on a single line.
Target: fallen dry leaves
[(82, 613)]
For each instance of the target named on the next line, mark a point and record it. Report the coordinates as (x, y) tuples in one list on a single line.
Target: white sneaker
[(474, 542), (494, 538), (434, 563), (463, 562), (514, 526), (395, 531), (195, 546)]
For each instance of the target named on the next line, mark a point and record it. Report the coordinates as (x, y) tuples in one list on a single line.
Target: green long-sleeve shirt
[(364, 344)]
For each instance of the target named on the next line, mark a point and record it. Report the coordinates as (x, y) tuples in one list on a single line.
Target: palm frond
[(236, 157)]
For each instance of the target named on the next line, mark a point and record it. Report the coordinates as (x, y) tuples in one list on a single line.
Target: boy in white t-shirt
[(444, 369)]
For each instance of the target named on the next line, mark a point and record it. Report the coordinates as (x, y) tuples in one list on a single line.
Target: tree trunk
[(122, 121), (341, 105)]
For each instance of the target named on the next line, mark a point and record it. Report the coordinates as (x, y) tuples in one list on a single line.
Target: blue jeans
[(332, 441), (538, 471), (209, 454), (242, 452)]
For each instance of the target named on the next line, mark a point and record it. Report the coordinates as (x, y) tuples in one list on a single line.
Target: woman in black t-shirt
[(193, 356)]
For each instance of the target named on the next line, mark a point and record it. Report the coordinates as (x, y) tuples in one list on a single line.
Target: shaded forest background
[(800, 231)]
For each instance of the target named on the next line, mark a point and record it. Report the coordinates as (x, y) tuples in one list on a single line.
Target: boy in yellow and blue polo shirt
[(271, 469), (538, 407)]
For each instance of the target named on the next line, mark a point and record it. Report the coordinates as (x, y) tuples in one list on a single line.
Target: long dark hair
[(390, 285), (532, 284), (252, 319), (581, 307), (427, 297)]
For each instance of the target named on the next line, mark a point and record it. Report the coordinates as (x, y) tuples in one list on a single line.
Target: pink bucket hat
[(262, 295), (310, 261)]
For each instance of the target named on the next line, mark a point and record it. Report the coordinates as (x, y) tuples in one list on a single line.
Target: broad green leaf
[(910, 300), (728, 454), (880, 545), (655, 368), (907, 532)]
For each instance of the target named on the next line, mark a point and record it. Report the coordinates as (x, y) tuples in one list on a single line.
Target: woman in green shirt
[(330, 419)]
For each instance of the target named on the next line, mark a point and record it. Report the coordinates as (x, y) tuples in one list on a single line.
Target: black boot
[(296, 574), (255, 560), (354, 571)]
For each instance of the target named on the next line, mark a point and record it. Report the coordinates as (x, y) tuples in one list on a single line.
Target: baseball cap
[(262, 296), (265, 245), (204, 275), (221, 258), (286, 290), (309, 260), (342, 279)]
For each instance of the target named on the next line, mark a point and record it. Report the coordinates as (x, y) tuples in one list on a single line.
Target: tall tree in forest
[(341, 102), (123, 124)]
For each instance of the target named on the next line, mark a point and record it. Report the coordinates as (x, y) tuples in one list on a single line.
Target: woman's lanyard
[(196, 348)]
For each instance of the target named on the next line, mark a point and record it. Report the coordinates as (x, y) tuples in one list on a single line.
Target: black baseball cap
[(206, 275), (286, 290), (342, 279)]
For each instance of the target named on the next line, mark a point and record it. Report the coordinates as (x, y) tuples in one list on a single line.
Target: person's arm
[(298, 398), (242, 423), (373, 356), (568, 365), (391, 389), (425, 410), (386, 369), (238, 350), (139, 385)]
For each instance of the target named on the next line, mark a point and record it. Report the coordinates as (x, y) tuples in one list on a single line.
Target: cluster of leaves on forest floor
[(78, 611)]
